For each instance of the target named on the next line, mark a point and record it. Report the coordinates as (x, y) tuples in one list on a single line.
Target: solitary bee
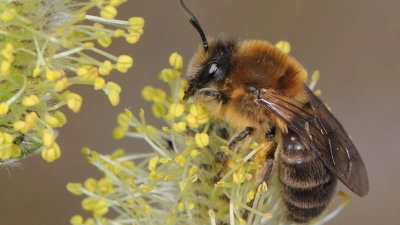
[(261, 93)]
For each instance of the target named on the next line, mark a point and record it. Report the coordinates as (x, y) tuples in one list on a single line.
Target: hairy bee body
[(256, 65), (261, 93)]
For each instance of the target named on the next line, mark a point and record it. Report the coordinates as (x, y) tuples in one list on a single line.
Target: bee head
[(209, 66), (209, 69)]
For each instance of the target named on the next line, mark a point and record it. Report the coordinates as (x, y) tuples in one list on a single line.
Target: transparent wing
[(316, 125)]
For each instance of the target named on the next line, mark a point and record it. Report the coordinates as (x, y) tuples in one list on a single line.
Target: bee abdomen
[(307, 185), (306, 174), (304, 204), (309, 197)]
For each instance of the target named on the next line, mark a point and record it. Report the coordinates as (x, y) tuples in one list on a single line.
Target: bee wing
[(316, 125)]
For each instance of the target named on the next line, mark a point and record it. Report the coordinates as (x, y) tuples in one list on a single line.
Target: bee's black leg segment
[(270, 163), (266, 158), (269, 157), (209, 94), (189, 132), (270, 136), (239, 137), (233, 144), (266, 176)]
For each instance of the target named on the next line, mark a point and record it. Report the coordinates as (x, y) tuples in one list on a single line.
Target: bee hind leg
[(266, 158), (264, 174)]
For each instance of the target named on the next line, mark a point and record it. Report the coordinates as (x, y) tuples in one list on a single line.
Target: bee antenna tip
[(196, 24)]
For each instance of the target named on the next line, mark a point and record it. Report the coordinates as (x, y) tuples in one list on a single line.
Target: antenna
[(196, 25)]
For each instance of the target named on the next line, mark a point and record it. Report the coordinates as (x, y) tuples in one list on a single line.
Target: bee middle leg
[(233, 145)]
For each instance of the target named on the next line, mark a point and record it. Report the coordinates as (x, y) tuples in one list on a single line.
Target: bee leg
[(270, 163), (209, 94), (233, 145), (270, 158), (234, 142), (265, 157), (189, 132)]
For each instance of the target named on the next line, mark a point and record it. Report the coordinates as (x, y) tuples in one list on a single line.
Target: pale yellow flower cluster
[(44, 46)]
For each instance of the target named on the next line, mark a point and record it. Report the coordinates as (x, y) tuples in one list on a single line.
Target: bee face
[(211, 68)]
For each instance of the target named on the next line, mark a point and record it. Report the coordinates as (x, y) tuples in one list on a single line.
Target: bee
[(261, 93)]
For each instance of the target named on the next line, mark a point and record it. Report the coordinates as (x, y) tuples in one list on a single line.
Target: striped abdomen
[(307, 185)]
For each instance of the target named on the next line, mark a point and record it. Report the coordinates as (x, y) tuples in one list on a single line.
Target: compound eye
[(207, 74), (213, 68)]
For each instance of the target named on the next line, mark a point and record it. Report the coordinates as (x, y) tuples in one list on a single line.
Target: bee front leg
[(209, 94)]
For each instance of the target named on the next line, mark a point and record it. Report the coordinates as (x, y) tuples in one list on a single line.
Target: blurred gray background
[(354, 44)]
